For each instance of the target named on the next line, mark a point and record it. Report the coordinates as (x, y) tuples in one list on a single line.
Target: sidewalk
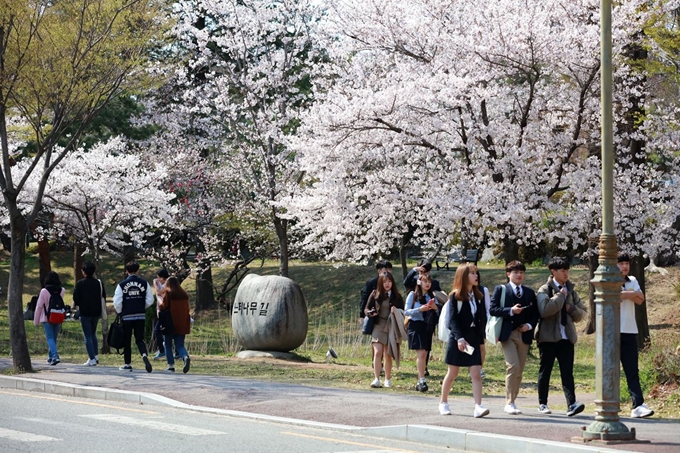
[(380, 411)]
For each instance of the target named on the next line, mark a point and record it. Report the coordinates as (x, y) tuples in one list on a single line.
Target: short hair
[(163, 273), (132, 266), (427, 264), (382, 264), (557, 263), (623, 257), (88, 268), (515, 265)]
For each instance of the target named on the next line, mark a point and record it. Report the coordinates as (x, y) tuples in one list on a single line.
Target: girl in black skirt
[(467, 322), (422, 308)]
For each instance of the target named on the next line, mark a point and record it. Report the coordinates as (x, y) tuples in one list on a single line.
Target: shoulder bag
[(495, 323)]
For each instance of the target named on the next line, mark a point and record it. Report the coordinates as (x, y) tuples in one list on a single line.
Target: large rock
[(270, 314)]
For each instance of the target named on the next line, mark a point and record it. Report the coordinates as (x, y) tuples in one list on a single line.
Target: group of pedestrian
[(547, 316), (133, 295)]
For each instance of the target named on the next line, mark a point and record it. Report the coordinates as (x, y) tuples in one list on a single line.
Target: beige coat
[(550, 308), (396, 333)]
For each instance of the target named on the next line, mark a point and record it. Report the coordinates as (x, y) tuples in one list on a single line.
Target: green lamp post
[(607, 280)]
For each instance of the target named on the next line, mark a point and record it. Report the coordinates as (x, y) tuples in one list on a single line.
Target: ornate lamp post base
[(608, 431)]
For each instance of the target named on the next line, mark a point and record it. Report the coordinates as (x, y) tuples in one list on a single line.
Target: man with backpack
[(50, 311), (131, 299)]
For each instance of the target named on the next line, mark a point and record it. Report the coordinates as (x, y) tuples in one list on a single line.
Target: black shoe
[(427, 373), (147, 364), (421, 387), (575, 408), (170, 368), (187, 364)]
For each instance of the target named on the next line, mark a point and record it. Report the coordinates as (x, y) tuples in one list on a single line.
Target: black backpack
[(55, 311)]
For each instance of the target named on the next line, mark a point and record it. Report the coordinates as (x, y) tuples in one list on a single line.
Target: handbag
[(367, 325), (495, 323), (444, 331), (116, 337), (165, 324)]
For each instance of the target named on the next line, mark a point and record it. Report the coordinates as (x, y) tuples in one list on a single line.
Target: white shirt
[(628, 324)]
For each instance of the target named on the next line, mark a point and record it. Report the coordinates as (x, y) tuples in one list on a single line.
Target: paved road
[(370, 408), (58, 424)]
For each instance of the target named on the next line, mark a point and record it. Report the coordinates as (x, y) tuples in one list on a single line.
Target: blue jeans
[(89, 324), (179, 347), (51, 333)]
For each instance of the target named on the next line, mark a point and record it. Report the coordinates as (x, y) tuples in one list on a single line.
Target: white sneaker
[(480, 411), (376, 383), (444, 409), (544, 409), (388, 383), (90, 362), (511, 409), (641, 411)]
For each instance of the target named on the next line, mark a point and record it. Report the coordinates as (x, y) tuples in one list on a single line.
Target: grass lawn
[(332, 294)]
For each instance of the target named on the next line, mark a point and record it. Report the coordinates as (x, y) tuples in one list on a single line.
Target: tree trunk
[(17, 332), (637, 270), (402, 257), (44, 259), (205, 293), (281, 226), (510, 250), (78, 261)]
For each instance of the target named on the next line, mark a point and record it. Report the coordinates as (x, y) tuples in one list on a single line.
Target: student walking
[(176, 300), (631, 295), (467, 321), (382, 304), (41, 315), (422, 308), (159, 285), (87, 298), (559, 307), (131, 299), (519, 310)]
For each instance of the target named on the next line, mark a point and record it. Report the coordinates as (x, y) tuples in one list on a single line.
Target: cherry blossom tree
[(60, 64), (479, 122), (249, 73)]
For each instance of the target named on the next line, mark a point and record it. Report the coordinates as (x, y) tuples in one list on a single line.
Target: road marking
[(84, 403), (139, 422), (349, 442), (24, 437)]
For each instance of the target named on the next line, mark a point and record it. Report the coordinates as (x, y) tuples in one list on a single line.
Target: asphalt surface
[(380, 411)]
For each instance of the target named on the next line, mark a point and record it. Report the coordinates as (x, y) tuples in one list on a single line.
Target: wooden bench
[(471, 256)]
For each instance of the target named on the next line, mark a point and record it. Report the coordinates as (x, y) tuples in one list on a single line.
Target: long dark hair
[(173, 290), (381, 289), (52, 280)]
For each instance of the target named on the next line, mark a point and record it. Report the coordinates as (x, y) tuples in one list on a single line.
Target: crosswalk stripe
[(23, 436), (153, 424)]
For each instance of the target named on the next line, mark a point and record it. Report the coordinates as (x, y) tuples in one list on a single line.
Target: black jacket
[(511, 322), (412, 278), (460, 322), (366, 291), (87, 296)]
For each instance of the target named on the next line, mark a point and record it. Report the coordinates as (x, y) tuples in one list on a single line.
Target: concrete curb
[(462, 440)]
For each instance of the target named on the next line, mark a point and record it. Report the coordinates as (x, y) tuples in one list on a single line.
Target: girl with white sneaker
[(89, 299), (467, 320), (420, 304), (381, 303)]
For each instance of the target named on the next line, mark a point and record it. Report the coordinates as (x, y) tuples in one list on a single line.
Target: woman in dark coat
[(467, 321), (176, 301)]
